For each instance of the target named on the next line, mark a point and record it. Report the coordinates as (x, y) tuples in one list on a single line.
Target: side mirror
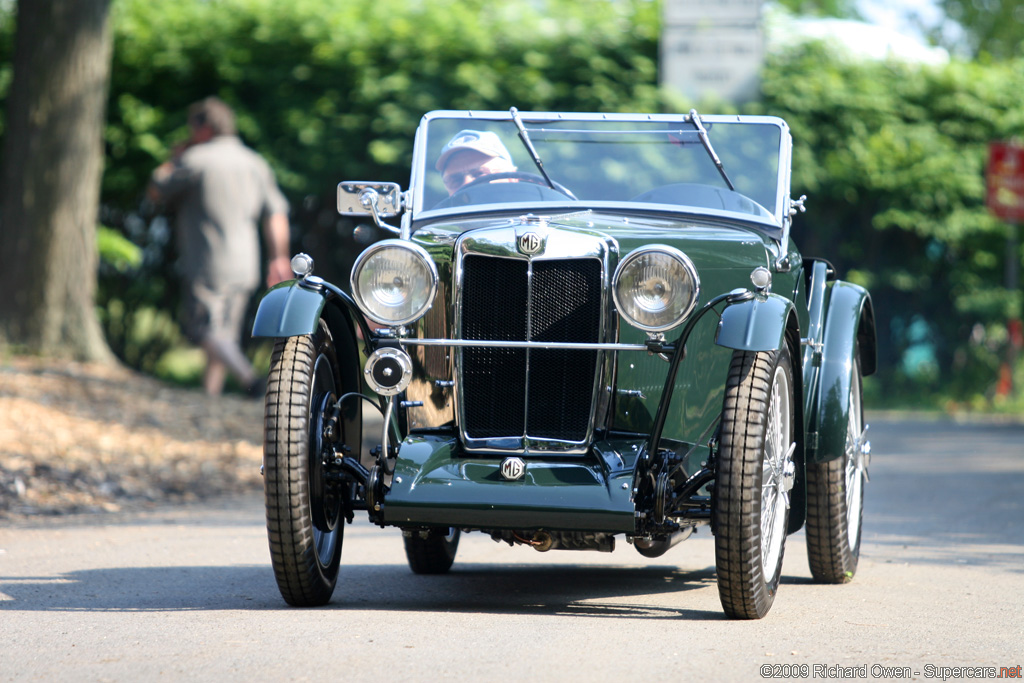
[(359, 198)]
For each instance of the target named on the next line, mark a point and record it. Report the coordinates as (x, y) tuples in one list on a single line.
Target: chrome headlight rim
[(683, 260), (372, 250)]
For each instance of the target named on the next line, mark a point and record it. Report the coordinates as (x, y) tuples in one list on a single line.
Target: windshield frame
[(421, 165)]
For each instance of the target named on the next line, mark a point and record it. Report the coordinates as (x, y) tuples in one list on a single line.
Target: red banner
[(1005, 180)]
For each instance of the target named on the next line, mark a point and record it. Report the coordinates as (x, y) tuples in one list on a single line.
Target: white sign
[(712, 49), (718, 11)]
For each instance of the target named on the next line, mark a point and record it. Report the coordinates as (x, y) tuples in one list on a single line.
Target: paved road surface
[(189, 594)]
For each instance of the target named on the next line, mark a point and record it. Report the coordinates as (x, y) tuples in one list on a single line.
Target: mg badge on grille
[(512, 468), (530, 243)]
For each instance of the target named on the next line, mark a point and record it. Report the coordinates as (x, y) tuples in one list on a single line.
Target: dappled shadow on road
[(585, 591)]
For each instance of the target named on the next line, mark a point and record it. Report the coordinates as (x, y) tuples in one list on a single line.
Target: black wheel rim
[(324, 503)]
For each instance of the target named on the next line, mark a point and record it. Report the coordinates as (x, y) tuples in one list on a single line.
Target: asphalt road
[(188, 594)]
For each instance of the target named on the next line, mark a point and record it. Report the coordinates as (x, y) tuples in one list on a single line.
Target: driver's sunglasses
[(457, 179)]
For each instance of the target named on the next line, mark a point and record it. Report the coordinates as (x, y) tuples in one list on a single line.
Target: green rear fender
[(849, 327), (757, 324)]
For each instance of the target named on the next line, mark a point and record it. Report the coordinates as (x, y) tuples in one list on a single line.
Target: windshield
[(467, 162)]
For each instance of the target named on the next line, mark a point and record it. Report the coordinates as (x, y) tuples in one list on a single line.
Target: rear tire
[(304, 523), (835, 501), (755, 475), (434, 554)]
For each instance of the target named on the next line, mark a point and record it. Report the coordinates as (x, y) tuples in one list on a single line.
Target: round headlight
[(656, 288), (394, 282)]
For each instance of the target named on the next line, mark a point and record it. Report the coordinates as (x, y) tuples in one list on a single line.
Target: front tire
[(835, 500), (755, 474), (304, 523)]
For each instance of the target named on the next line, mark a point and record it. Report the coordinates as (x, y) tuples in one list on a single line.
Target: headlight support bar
[(320, 285), (678, 350), (489, 343)]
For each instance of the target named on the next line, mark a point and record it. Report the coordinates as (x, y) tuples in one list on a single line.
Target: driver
[(470, 155)]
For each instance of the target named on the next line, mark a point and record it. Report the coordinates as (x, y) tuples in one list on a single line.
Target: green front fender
[(849, 322), (288, 310), (757, 324)]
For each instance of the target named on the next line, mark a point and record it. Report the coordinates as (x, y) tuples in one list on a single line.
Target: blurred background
[(893, 109)]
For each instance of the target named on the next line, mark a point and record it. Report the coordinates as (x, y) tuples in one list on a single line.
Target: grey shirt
[(222, 190)]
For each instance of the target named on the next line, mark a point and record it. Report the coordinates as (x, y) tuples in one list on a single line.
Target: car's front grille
[(537, 393), (494, 302)]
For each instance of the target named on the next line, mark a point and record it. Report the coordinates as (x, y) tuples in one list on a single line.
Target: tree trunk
[(50, 173)]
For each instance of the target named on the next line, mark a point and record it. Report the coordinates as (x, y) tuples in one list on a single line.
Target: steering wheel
[(519, 175)]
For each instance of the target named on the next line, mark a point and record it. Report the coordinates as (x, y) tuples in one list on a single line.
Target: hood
[(709, 242)]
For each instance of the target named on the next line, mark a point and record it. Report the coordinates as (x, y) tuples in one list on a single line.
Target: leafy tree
[(990, 27), (892, 157), (846, 9)]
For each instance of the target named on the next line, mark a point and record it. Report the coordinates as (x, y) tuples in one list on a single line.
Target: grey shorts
[(210, 312)]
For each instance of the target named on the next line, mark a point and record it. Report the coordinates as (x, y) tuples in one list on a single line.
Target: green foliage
[(893, 158), (116, 250), (137, 301), (992, 29), (6, 57), (333, 89), (846, 9)]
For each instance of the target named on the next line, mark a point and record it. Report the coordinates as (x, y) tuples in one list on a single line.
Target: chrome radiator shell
[(532, 400)]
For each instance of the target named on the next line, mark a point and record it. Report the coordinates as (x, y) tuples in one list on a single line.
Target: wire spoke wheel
[(755, 465), (774, 494), (855, 467), (835, 499)]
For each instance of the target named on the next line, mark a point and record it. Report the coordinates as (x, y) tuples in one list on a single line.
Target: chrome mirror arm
[(369, 198)]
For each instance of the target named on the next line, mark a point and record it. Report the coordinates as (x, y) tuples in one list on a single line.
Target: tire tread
[(286, 476), (741, 586)]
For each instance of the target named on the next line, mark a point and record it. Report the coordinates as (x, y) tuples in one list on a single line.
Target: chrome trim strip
[(570, 346), (529, 329)]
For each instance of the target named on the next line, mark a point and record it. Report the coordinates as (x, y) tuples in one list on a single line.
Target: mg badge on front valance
[(513, 468)]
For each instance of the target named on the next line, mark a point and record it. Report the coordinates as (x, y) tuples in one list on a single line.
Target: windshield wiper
[(706, 141), (525, 137)]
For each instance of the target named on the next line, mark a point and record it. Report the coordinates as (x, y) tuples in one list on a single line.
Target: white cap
[(485, 142)]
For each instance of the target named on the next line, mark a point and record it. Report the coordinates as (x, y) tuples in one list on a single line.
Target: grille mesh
[(494, 297), (566, 307), (553, 399)]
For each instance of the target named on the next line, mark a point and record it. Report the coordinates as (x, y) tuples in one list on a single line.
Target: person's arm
[(160, 176), (276, 233), (170, 178)]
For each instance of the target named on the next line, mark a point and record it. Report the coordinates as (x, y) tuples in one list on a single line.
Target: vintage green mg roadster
[(585, 326)]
